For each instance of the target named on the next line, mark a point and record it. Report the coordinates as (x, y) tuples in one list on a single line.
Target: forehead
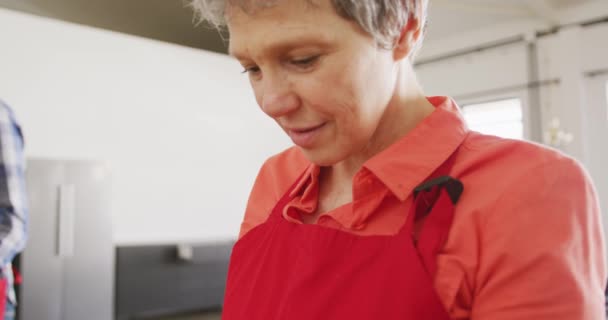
[(280, 23), (255, 6)]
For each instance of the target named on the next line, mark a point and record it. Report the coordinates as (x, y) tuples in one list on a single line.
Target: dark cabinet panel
[(152, 280)]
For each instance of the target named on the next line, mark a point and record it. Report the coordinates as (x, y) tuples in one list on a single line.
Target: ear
[(410, 34)]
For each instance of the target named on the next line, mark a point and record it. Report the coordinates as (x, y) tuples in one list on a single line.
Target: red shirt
[(526, 241)]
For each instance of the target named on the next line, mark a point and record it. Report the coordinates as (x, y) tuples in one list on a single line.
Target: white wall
[(177, 126), (476, 72)]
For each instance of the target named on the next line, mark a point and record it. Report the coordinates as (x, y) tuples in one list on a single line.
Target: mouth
[(305, 136)]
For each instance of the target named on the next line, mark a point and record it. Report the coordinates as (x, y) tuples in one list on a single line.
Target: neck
[(407, 107)]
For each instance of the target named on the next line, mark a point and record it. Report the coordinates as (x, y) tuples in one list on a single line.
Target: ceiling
[(165, 20), (172, 20), (450, 17)]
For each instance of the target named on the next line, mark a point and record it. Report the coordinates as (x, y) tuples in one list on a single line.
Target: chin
[(321, 156)]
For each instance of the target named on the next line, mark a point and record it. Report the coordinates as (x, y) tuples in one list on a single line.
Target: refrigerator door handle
[(65, 225)]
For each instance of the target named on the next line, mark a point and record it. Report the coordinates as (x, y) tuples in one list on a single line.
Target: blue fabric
[(9, 311)]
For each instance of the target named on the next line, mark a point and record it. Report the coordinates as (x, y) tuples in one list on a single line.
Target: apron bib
[(287, 271)]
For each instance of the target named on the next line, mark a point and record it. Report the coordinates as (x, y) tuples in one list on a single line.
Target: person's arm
[(542, 250), (13, 204)]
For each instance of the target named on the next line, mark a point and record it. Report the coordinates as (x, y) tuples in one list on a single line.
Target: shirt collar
[(413, 158)]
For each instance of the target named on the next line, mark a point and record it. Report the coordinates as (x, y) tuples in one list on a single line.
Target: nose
[(278, 98)]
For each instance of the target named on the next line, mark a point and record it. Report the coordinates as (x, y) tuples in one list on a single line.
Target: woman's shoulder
[(277, 174), (511, 155), (498, 170)]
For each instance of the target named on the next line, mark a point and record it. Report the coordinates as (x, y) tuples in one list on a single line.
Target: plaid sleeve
[(13, 204)]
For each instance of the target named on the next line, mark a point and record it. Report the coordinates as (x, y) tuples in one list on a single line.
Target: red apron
[(285, 271)]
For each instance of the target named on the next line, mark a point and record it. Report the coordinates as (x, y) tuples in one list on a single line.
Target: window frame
[(522, 96)]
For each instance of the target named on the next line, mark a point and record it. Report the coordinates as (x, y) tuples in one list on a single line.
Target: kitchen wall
[(178, 127)]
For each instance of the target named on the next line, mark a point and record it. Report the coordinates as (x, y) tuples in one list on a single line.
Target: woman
[(388, 207)]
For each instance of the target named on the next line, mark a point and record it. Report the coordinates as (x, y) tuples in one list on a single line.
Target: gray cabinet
[(154, 281), (68, 264)]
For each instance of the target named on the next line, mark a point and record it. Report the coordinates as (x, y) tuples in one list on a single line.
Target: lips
[(305, 136)]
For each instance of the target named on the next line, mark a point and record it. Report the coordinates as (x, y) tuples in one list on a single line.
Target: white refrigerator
[(68, 263)]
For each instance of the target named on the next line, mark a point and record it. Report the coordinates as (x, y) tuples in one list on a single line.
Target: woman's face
[(319, 76)]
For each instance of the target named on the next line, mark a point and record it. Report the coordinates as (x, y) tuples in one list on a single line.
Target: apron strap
[(432, 213)]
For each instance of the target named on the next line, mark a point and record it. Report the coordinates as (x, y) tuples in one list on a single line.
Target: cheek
[(318, 95), (355, 103), (355, 88), (365, 93), (341, 89)]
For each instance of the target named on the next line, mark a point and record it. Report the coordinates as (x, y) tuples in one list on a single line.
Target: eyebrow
[(286, 45)]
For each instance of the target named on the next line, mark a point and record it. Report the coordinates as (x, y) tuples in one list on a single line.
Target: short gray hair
[(382, 19)]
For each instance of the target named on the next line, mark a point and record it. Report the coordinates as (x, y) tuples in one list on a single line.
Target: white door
[(88, 283), (596, 142), (42, 260), (69, 260)]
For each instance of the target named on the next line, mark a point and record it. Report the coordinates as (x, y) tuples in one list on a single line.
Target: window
[(503, 118)]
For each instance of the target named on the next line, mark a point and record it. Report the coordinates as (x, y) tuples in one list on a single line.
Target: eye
[(252, 70), (306, 62)]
